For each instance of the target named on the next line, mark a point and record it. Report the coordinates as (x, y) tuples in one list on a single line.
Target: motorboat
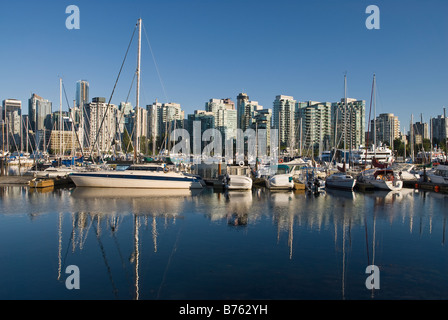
[(281, 179), (238, 178), (280, 182), (439, 175), (237, 182), (340, 180), (316, 185), (144, 176)]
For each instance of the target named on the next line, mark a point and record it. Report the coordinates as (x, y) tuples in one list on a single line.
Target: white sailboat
[(342, 180), (386, 179), (137, 176)]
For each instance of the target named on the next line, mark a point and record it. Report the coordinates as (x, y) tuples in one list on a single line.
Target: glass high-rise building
[(82, 93), (284, 119), (39, 111)]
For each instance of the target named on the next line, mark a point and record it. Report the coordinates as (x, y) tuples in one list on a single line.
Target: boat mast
[(374, 116), (137, 106), (412, 137), (60, 117), (345, 118)]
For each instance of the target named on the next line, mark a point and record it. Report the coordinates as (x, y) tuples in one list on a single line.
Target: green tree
[(127, 143), (144, 144)]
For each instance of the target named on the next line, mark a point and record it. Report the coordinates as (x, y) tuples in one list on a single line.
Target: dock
[(15, 180), (35, 183), (426, 186)]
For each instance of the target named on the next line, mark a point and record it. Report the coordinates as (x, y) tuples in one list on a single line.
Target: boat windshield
[(145, 168)]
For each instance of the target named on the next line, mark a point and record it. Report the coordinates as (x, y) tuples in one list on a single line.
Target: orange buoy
[(416, 186), (436, 188)]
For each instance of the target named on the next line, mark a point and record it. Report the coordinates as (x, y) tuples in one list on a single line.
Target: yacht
[(152, 176), (439, 175), (362, 156), (340, 180)]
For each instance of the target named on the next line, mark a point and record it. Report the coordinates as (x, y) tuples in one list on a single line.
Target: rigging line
[(169, 263), (103, 253), (73, 120), (155, 64), (113, 91), (122, 112)]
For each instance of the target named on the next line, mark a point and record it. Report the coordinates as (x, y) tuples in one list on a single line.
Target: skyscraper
[(246, 111), (315, 121), (349, 123), (39, 114), (283, 114), (39, 111), (12, 114), (225, 117), (100, 125), (387, 128), (82, 93), (440, 128), (241, 102)]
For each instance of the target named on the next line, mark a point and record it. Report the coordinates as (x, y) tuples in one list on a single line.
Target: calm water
[(242, 245)]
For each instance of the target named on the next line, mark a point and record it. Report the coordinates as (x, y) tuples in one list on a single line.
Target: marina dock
[(426, 186), (30, 181), (15, 180)]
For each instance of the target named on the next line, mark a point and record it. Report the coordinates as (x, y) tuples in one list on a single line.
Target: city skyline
[(217, 50)]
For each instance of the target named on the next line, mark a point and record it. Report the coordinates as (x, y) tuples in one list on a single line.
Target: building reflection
[(137, 219)]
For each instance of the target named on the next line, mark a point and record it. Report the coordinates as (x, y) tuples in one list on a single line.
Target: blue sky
[(218, 48)]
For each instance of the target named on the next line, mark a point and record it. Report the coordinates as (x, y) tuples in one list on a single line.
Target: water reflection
[(144, 241)]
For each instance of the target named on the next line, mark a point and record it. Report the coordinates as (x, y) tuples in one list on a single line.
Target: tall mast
[(412, 137), (374, 115), (345, 117), (137, 106), (60, 117)]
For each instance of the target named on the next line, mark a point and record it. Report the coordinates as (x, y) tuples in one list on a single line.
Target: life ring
[(241, 163), (280, 161), (166, 170)]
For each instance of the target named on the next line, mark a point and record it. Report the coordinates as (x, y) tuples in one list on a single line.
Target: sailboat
[(155, 176), (342, 180)]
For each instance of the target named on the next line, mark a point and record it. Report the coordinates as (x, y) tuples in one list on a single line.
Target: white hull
[(437, 179), (387, 185), (440, 175), (136, 180), (280, 182), (239, 183), (54, 173)]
